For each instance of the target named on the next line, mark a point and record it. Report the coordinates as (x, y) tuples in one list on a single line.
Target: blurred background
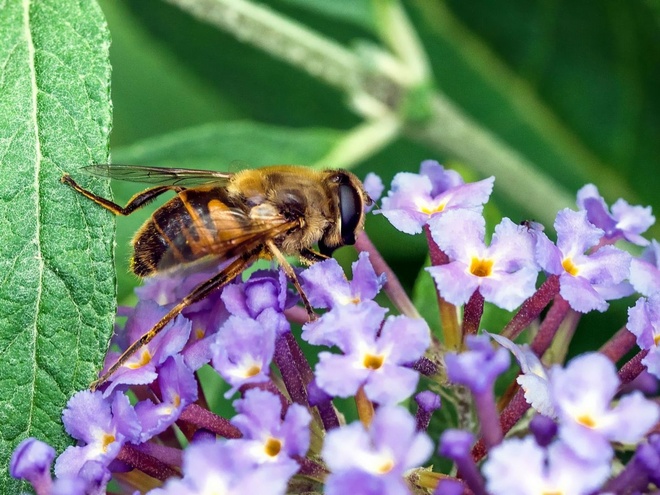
[(573, 88)]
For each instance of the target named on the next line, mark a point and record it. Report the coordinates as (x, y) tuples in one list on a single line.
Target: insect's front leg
[(135, 203), (218, 281), (288, 269)]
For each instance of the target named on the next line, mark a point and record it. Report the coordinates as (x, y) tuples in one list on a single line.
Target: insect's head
[(350, 199)]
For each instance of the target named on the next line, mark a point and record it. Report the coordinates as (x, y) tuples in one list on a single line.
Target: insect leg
[(136, 202), (288, 269), (198, 293), (309, 256)]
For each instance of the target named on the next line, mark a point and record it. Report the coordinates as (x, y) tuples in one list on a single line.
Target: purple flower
[(645, 270), (73, 486), (624, 222), (478, 367), (267, 436), (168, 290), (504, 273), (178, 388), (583, 393), (242, 352), (414, 198), (92, 479), (427, 403), (377, 458), (223, 467), (31, 462), (586, 280), (456, 445), (263, 297), (533, 379), (374, 187), (544, 429), (141, 367), (374, 358), (520, 467), (326, 286), (644, 323), (640, 471), (100, 426)]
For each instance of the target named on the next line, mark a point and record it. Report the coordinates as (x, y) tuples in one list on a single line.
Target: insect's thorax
[(294, 193)]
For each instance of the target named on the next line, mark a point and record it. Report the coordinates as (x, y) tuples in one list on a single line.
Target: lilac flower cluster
[(155, 427)]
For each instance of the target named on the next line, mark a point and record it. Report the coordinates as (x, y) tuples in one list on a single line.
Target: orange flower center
[(431, 210), (373, 362), (106, 441), (145, 359), (586, 420), (570, 267), (253, 371), (481, 268), (272, 447)]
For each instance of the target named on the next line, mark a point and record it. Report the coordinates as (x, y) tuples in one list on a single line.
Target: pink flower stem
[(392, 287), (532, 307)]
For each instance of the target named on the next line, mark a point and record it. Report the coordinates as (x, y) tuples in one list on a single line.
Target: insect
[(256, 213)]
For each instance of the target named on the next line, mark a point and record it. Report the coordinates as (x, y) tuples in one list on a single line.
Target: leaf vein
[(34, 116)]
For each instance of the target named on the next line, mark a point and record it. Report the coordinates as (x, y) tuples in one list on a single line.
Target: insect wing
[(158, 175)]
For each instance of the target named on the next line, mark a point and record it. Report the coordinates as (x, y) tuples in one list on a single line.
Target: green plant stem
[(376, 90), (282, 38)]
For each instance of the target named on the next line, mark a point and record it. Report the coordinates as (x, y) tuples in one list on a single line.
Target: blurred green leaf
[(425, 299), (224, 146), (579, 99), (56, 261), (358, 12)]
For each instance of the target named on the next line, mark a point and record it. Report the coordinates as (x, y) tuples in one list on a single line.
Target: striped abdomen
[(198, 223)]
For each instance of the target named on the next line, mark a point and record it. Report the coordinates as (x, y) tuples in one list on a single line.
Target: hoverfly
[(256, 213)]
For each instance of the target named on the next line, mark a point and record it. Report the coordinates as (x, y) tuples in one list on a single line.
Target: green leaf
[(219, 146), (425, 298), (56, 263)]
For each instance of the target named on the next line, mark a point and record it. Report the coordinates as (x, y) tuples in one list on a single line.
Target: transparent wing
[(157, 175)]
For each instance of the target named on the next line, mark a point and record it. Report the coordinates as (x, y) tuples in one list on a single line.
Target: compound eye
[(350, 210)]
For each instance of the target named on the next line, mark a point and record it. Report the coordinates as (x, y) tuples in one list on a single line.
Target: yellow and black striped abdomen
[(198, 223)]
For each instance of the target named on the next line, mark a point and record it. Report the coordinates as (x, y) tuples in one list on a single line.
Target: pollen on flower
[(586, 420), (272, 446), (373, 362), (481, 267), (106, 440), (385, 467), (430, 209), (345, 301), (569, 266), (199, 333), (252, 371), (145, 359)]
